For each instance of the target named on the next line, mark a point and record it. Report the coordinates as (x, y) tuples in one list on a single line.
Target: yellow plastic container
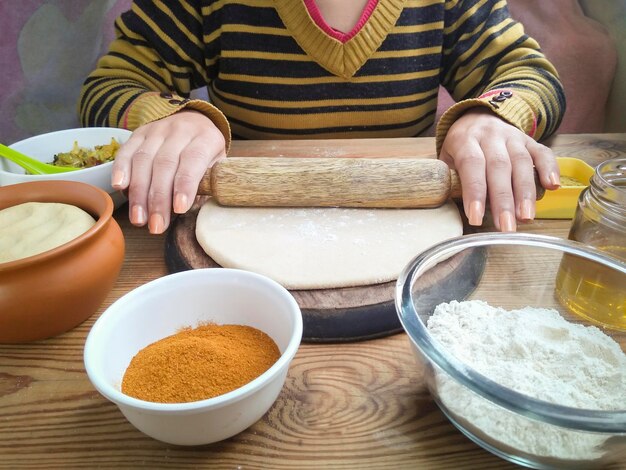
[(561, 203)]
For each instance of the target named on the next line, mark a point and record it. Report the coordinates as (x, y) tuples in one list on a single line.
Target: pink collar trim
[(342, 37)]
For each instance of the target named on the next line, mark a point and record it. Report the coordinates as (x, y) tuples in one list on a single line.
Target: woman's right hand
[(162, 163)]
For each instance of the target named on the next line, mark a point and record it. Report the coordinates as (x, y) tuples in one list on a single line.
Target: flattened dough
[(315, 248)]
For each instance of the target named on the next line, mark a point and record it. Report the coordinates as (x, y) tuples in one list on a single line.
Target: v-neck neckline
[(341, 59), (342, 36)]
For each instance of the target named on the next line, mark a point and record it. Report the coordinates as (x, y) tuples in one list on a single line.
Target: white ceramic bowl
[(43, 148), (163, 306), (514, 271)]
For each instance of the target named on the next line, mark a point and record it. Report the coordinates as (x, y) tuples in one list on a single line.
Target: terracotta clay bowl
[(52, 292)]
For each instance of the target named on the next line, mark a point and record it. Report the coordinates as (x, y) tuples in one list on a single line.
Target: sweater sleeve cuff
[(506, 104), (152, 106)]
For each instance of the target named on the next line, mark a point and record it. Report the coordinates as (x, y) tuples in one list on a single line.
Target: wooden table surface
[(351, 405)]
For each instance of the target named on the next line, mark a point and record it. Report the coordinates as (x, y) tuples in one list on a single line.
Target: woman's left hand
[(495, 159)]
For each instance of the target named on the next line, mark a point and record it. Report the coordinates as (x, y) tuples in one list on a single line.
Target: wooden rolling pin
[(333, 182)]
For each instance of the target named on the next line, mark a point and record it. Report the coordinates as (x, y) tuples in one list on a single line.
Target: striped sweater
[(272, 72)]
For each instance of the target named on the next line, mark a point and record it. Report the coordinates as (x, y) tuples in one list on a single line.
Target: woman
[(325, 69)]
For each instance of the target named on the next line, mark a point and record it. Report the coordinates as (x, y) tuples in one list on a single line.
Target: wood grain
[(329, 182), (344, 406), (409, 182)]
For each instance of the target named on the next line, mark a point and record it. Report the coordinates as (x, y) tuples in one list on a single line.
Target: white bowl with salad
[(92, 149)]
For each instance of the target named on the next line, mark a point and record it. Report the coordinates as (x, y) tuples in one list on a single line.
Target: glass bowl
[(535, 388)]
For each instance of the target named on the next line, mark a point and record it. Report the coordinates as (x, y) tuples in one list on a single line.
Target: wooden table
[(352, 405)]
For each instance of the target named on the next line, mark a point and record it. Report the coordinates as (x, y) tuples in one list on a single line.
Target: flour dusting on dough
[(316, 248)]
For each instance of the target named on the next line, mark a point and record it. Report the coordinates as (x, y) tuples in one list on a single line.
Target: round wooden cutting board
[(332, 315)]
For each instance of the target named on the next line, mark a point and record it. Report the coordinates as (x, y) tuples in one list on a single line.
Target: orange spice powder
[(199, 363)]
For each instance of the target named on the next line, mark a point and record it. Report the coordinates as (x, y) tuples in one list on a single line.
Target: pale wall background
[(612, 14)]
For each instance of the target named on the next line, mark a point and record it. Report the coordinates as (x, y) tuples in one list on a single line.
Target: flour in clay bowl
[(538, 353)]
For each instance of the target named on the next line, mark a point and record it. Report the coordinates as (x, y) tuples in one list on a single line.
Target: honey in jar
[(588, 288)]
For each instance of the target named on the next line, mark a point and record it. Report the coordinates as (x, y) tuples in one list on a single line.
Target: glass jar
[(585, 287)]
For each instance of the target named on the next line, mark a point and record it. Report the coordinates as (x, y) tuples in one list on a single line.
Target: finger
[(469, 161), (499, 183), (164, 168), (523, 179), (546, 164), (445, 157), (194, 161), (141, 172), (121, 169)]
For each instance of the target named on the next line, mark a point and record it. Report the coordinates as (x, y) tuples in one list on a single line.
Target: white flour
[(538, 353)]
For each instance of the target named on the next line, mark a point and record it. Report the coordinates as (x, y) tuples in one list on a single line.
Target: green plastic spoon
[(32, 166)]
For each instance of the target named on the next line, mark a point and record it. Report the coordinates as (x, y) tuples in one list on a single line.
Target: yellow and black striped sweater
[(273, 73)]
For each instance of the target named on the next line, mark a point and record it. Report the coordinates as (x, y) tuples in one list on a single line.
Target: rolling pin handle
[(204, 187)]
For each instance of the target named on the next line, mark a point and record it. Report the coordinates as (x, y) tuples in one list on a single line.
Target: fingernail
[(475, 213), (117, 178), (156, 224), (137, 215), (527, 211), (181, 203), (507, 222), (554, 179)]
